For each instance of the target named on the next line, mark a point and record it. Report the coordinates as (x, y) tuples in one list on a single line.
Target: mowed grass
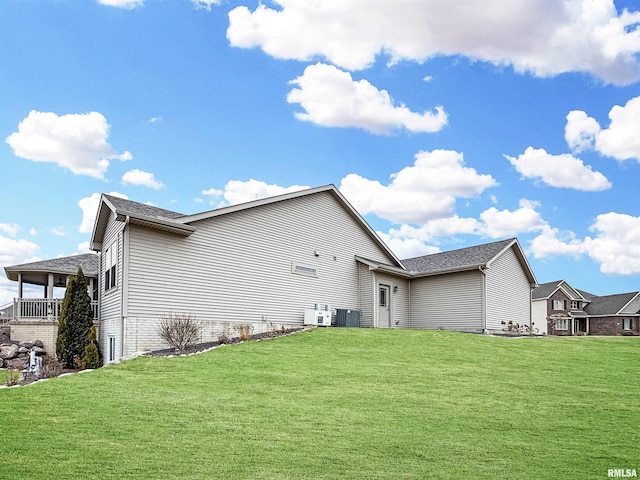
[(339, 403)]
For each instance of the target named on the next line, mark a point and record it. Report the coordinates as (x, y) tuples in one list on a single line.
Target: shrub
[(51, 367), (12, 377), (179, 330), (223, 338), (244, 331), (75, 322), (91, 355)]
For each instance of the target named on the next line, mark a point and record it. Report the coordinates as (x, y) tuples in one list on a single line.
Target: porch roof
[(36, 273)]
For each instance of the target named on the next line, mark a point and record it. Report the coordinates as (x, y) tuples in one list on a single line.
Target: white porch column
[(49, 293), (19, 285)]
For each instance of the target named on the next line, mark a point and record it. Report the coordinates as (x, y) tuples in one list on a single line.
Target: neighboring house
[(614, 314), (570, 311), (558, 308), (266, 262)]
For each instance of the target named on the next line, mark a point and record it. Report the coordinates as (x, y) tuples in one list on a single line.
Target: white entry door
[(384, 306)]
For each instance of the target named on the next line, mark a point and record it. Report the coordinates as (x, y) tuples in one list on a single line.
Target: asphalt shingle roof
[(141, 208), (69, 265), (609, 304), (546, 289), (469, 257)]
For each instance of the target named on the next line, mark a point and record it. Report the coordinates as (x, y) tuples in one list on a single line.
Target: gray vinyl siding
[(451, 301), (111, 300), (508, 292), (366, 283), (237, 268)]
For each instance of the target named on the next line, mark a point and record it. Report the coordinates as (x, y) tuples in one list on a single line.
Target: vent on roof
[(303, 270)]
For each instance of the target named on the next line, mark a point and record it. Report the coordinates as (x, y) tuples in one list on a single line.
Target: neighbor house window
[(627, 323), (110, 262), (562, 324), (559, 305), (575, 304)]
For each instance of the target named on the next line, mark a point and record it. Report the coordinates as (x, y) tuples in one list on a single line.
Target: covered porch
[(52, 275)]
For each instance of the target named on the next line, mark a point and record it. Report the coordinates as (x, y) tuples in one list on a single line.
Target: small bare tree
[(179, 330)]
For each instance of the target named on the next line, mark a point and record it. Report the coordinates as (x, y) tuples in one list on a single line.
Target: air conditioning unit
[(321, 318)]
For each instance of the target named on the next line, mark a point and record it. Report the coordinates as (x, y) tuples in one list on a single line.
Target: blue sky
[(445, 124)]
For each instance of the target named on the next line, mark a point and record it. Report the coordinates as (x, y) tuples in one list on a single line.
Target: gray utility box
[(347, 317)]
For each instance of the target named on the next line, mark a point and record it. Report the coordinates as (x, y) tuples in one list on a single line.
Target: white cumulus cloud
[(124, 4), (332, 98), (142, 178), (562, 171), (538, 36), (407, 247), (237, 191), (508, 223), (615, 245), (10, 228), (75, 141), (89, 207), (621, 140), (419, 193), (205, 4)]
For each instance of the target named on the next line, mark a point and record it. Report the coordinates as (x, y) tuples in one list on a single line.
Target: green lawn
[(339, 403)]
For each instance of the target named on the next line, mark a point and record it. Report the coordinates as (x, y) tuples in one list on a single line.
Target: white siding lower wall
[(508, 292), (451, 302), (539, 316), (110, 327)]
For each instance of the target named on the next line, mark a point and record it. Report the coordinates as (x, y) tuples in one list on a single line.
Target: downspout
[(483, 320), (126, 222)]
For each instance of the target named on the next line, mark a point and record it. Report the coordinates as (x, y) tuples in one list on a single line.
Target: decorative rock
[(16, 363), (1, 363), (23, 349), (7, 352), (38, 350), (26, 345), (38, 344)]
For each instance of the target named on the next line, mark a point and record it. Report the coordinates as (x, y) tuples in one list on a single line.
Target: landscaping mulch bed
[(201, 347)]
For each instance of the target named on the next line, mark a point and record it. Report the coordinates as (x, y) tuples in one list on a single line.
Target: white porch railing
[(45, 309)]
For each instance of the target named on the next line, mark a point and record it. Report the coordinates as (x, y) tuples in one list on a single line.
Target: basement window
[(305, 270)]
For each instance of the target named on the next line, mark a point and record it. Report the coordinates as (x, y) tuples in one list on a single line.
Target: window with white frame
[(111, 350), (627, 323), (575, 305), (110, 262), (559, 305), (562, 324)]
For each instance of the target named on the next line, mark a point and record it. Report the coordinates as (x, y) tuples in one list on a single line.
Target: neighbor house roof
[(63, 265), (470, 258), (545, 290), (610, 304)]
